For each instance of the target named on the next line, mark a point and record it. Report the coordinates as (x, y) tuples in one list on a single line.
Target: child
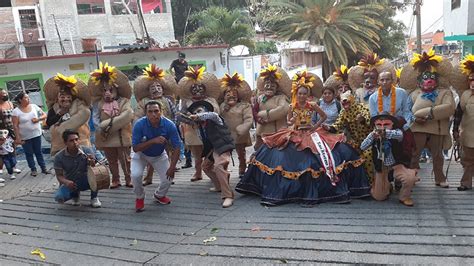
[(7, 153), (388, 154)]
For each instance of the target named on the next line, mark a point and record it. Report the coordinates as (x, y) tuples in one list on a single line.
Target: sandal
[(116, 185), (129, 185), (194, 179)]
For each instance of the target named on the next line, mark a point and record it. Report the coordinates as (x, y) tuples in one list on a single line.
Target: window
[(28, 19), (30, 86), (90, 7), (5, 3), (127, 7), (455, 4)]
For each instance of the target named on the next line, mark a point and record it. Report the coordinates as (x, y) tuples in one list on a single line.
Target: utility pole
[(418, 4)]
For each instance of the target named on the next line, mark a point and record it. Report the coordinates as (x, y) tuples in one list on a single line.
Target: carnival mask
[(3, 133), (428, 81), (347, 99), (471, 81), (370, 79), (384, 124), (343, 88), (270, 87), (231, 97), (110, 93), (156, 90), (198, 91), (64, 100)]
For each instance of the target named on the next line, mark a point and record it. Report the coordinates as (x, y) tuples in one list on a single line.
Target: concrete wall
[(456, 21), (109, 29)]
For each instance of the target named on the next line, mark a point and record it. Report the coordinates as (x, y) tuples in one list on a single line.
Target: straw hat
[(460, 75), (339, 77), (58, 83), (237, 82), (198, 76), (368, 63), (153, 74), (279, 76), (309, 80), (426, 62), (108, 75)]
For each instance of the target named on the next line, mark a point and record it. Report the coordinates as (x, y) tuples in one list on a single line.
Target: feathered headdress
[(271, 72), (342, 73), (235, 80), (105, 74), (370, 61), (426, 61), (467, 65), (195, 74), (66, 83), (152, 72), (398, 72), (301, 79)]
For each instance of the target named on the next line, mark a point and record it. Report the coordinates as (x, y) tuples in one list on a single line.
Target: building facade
[(459, 23), (59, 27)]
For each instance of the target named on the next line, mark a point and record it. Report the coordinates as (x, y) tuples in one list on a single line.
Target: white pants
[(160, 164)]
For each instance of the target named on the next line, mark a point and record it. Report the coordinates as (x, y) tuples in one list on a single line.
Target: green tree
[(184, 9), (342, 27), (218, 25)]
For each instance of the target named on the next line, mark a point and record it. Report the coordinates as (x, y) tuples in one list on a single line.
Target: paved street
[(438, 230)]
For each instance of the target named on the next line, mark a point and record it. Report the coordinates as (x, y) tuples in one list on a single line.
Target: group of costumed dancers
[(315, 142)]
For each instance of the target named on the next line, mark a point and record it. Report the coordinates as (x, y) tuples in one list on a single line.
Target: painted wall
[(82, 65), (248, 66), (456, 20)]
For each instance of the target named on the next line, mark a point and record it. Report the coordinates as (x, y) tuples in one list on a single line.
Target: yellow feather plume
[(65, 82), (467, 64), (426, 61), (300, 79), (196, 74), (398, 72), (271, 71), (153, 72), (104, 74), (235, 80)]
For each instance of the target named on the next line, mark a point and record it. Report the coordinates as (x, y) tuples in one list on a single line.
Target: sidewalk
[(438, 230)]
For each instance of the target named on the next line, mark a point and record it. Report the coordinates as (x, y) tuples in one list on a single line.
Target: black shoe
[(187, 165), (463, 188), (45, 171)]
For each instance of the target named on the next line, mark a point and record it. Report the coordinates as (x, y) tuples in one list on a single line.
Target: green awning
[(459, 38)]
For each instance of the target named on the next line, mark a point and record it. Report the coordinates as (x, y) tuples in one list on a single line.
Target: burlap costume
[(79, 111), (272, 109), (461, 78), (338, 79), (197, 77), (434, 133), (238, 117), (141, 87), (113, 133), (370, 62)]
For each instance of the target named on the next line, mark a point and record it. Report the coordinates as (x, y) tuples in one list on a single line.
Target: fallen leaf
[(454, 235), (256, 229), (39, 253), (210, 239), (283, 261), (214, 230), (203, 253), (12, 233), (134, 242), (268, 238)]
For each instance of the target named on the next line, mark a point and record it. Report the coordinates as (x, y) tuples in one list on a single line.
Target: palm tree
[(218, 25), (340, 26)]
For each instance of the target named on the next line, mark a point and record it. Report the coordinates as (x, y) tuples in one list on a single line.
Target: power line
[(433, 24)]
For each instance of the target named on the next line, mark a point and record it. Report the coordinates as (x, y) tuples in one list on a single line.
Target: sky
[(431, 11)]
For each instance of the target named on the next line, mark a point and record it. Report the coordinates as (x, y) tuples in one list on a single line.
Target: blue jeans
[(33, 147), (99, 156), (64, 193), (9, 160)]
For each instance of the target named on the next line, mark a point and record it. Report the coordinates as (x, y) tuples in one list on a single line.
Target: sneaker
[(139, 205), (34, 173), (12, 177), (16, 170), (187, 165), (95, 203), (76, 201), (162, 200), (2, 180), (227, 202)]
